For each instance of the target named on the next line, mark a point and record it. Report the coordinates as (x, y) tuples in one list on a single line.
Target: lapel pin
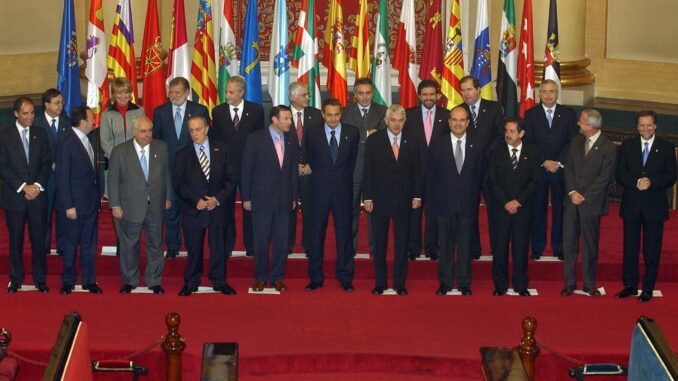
[(216, 150), (155, 156)]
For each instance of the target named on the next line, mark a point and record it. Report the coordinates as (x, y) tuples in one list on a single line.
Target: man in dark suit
[(549, 126), (204, 178), (368, 117), (139, 193), (56, 123), (233, 122), (170, 124), (392, 186), (646, 168), (78, 200), (589, 167), (454, 175), (512, 176), (303, 115), (423, 123), (25, 161), (270, 178), (330, 150), (486, 128)]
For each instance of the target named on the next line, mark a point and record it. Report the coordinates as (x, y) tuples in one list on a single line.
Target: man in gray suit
[(368, 117), (589, 167), (139, 192)]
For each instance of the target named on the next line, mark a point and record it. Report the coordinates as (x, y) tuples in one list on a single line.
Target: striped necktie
[(204, 163)]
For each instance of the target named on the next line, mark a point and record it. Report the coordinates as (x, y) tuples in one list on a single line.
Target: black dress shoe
[(226, 289), (229, 254), (432, 255), (498, 292), (126, 289), (42, 287), (157, 290), (592, 292), (560, 256), (187, 290), (626, 292), (645, 297), (412, 255), (313, 286), (402, 291), (93, 288), (536, 255), (171, 253), (249, 253), (66, 289), (524, 293), (443, 289), (347, 286), (377, 290), (13, 287), (60, 252), (567, 291), (475, 254), (466, 291)]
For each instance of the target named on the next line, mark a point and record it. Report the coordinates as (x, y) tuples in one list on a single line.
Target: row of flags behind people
[(213, 59)]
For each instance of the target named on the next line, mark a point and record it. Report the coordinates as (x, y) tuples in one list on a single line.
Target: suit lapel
[(81, 149), (19, 145)]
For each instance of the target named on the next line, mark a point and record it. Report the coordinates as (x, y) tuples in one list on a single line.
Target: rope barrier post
[(173, 346), (528, 349)]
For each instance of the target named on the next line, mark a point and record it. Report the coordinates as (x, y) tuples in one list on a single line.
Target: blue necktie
[(334, 147), (54, 128), (549, 116), (177, 122), (25, 143), (646, 152), (144, 164)]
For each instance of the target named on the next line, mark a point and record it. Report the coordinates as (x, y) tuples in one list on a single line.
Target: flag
[(334, 53), (68, 79), (481, 51), (177, 56), (306, 52), (250, 68), (381, 64), (404, 59), (359, 58), (508, 54), (526, 60), (203, 68), (96, 71), (121, 51), (453, 60), (151, 62), (551, 52), (227, 57), (432, 53), (279, 66)]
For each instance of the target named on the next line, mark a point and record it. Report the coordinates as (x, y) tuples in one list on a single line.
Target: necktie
[(395, 147), (334, 147), (514, 159), (88, 147), (25, 143), (300, 127), (54, 128), (279, 149), (646, 152), (549, 116), (204, 163), (144, 164), (587, 147), (474, 116), (428, 127), (459, 156), (178, 121), (236, 119), (364, 116)]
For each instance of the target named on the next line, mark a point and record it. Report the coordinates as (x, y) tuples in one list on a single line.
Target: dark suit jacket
[(389, 183), (191, 185), (414, 123), (64, 127), (490, 128), (375, 120), (77, 180), (326, 177), (551, 142), (14, 170), (449, 192), (660, 168), (506, 184), (590, 175), (312, 117), (163, 126), (251, 119), (269, 187)]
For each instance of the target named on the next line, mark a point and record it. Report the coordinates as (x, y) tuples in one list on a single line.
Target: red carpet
[(332, 335)]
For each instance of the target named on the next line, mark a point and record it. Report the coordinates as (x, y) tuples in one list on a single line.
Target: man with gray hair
[(139, 192), (589, 167)]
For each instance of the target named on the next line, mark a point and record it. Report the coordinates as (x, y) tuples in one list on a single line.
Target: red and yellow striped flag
[(203, 67), (359, 59), (453, 60), (120, 58), (334, 53)]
